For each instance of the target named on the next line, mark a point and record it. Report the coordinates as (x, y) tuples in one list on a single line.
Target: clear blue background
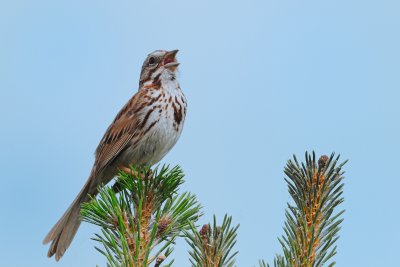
[(264, 80)]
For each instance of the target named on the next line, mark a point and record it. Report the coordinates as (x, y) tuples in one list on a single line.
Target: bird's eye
[(152, 60)]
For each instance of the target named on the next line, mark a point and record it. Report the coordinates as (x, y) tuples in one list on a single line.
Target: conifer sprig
[(312, 224), (142, 215), (212, 245), (140, 223)]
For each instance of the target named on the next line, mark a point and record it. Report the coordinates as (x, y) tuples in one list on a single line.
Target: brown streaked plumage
[(145, 129)]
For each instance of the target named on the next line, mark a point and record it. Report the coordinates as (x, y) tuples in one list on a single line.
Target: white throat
[(169, 82)]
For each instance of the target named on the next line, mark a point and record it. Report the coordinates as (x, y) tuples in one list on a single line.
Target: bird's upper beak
[(170, 60)]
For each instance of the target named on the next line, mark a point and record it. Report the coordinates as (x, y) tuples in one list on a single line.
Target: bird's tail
[(64, 230)]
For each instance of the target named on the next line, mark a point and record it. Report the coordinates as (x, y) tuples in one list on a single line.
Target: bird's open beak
[(170, 60)]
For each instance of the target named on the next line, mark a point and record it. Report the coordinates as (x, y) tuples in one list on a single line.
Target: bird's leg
[(136, 173), (127, 170)]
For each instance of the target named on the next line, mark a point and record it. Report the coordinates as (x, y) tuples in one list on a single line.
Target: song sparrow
[(145, 129)]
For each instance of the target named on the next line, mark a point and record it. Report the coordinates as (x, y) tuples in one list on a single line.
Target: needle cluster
[(312, 223), (140, 223), (212, 245), (142, 215)]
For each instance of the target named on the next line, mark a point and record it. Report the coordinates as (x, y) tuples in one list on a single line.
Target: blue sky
[(264, 80)]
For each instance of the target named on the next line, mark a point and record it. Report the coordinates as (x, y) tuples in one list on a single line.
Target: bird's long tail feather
[(64, 230)]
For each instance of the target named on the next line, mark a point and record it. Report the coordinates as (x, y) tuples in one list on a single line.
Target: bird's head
[(159, 64)]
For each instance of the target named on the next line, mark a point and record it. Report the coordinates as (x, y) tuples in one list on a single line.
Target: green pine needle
[(141, 222), (212, 245)]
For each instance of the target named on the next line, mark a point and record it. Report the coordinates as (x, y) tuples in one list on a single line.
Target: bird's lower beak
[(170, 60)]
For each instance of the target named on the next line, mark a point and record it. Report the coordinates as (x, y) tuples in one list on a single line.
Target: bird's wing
[(122, 130)]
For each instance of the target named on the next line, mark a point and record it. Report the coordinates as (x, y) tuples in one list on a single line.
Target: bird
[(142, 133)]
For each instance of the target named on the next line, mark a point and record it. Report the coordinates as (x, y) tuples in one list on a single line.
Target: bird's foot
[(136, 173)]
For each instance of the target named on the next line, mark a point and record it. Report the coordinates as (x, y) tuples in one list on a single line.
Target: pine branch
[(212, 245), (140, 223), (142, 215), (312, 224)]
